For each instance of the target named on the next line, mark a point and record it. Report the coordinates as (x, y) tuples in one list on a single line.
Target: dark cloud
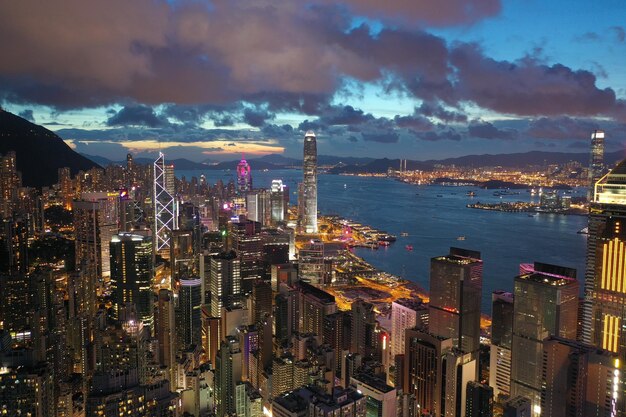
[(352, 139), (486, 130), (137, 115), (441, 134), (382, 137), (278, 131), (437, 111), (27, 114), (561, 128), (257, 117), (527, 87), (415, 123)]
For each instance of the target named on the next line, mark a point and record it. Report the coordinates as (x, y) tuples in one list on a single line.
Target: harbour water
[(435, 217)]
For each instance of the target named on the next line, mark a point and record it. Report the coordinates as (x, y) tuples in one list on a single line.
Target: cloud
[(437, 111), (137, 115), (27, 114), (257, 117), (561, 128), (527, 87), (486, 130), (619, 33), (440, 134), (389, 137)]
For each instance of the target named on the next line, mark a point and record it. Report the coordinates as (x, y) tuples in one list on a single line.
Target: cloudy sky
[(397, 78)]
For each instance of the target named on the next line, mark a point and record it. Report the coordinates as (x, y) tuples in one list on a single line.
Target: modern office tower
[(314, 304), (282, 375), (308, 221), (165, 330), (286, 313), (311, 401), (189, 313), (406, 313), (227, 375), (455, 294), (122, 348), (248, 337), (605, 277), (10, 181), (579, 380), (479, 400), (248, 245), (363, 328), (425, 371), (500, 348), (225, 282), (164, 204), (381, 398), (131, 274), (261, 301), (258, 206), (311, 264), (181, 254), (244, 177), (16, 236), (596, 160), (546, 304), (334, 337), (95, 223), (283, 274), (278, 195), (517, 407)]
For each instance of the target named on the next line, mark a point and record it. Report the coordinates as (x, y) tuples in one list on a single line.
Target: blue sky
[(207, 81)]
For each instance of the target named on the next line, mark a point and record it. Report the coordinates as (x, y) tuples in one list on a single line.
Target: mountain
[(512, 160), (39, 152), (181, 163), (281, 160)]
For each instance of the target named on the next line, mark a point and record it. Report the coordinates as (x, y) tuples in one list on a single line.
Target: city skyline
[(489, 76)]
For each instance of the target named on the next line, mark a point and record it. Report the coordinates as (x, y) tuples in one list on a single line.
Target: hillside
[(39, 152)]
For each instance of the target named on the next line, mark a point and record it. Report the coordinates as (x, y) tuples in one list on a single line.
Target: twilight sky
[(418, 79)]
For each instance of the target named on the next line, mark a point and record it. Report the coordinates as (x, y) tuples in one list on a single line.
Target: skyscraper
[(596, 160), (165, 215), (225, 282), (406, 313), (455, 293), (244, 177), (479, 400), (309, 186), (546, 303), (189, 313), (500, 349), (131, 274), (227, 373), (277, 201)]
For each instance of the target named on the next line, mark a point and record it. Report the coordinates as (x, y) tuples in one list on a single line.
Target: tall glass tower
[(596, 160), (244, 177), (309, 186)]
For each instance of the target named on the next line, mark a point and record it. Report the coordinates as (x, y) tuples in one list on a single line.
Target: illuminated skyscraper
[(189, 313), (225, 282), (309, 186), (244, 177), (546, 304), (165, 213), (10, 181), (277, 201), (131, 274), (500, 349), (596, 160), (455, 293)]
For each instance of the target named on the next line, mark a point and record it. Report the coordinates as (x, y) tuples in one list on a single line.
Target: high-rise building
[(228, 368), (165, 330), (261, 301), (381, 398), (311, 401), (315, 304), (225, 282), (579, 380), (95, 224), (309, 185), (596, 160), (131, 274), (455, 298), (363, 340), (244, 177), (517, 407), (406, 313), (248, 245), (500, 349), (189, 313), (10, 181), (479, 400), (164, 203), (425, 370), (277, 201), (546, 304)]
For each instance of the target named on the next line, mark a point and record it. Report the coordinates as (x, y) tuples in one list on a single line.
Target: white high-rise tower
[(309, 186), (165, 215)]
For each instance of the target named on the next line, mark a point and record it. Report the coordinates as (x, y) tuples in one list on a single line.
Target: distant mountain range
[(39, 152)]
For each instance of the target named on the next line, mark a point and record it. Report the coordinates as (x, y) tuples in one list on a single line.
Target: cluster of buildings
[(189, 299)]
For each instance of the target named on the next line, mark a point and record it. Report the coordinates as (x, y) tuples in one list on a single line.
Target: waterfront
[(434, 223)]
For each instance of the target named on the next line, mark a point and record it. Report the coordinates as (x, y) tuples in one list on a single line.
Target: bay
[(434, 218)]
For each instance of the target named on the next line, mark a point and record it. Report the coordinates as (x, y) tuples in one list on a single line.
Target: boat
[(384, 243), (460, 238), (584, 231), (387, 238), (439, 195), (404, 234), (409, 247), (471, 194)]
